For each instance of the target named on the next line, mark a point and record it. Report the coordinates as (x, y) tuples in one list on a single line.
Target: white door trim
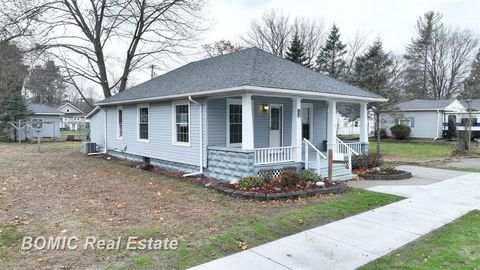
[(310, 107), (281, 123)]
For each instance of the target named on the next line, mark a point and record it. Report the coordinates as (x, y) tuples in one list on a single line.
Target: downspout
[(105, 132), (438, 123), (201, 138)]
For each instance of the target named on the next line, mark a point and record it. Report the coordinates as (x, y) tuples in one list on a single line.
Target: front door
[(307, 121), (276, 125)]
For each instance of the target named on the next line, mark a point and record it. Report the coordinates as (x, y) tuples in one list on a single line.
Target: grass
[(454, 246), (259, 230), (404, 151), (108, 199)]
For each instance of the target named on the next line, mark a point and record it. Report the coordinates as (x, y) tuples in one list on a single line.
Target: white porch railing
[(349, 148), (319, 155), (274, 155)]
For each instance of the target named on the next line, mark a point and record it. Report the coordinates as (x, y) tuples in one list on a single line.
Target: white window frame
[(140, 106), (120, 108), (232, 101), (406, 119), (174, 123)]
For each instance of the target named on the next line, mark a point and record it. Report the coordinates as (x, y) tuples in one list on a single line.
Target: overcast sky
[(393, 21)]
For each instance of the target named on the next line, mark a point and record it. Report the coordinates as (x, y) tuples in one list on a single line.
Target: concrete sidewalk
[(352, 242)]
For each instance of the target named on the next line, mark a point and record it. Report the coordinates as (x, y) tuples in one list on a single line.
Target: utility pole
[(152, 74)]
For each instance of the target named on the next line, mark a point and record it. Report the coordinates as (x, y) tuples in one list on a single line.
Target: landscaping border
[(261, 196), (401, 175)]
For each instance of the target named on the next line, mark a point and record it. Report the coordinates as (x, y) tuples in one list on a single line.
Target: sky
[(393, 21)]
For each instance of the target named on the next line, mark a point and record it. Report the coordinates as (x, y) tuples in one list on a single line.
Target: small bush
[(366, 161), (251, 182), (383, 133), (401, 132), (310, 176), (289, 179)]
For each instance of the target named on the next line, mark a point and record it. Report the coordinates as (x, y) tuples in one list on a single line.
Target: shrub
[(251, 182), (289, 179), (400, 132), (310, 176), (383, 133), (366, 161)]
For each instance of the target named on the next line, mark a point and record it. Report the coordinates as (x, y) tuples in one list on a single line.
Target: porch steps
[(340, 172)]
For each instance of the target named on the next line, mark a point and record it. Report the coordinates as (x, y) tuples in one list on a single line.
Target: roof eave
[(310, 94)]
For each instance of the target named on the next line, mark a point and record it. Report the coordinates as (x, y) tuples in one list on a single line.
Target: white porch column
[(332, 126), (364, 127), (297, 128), (247, 122)]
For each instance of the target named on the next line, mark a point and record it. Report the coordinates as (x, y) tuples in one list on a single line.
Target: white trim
[(310, 106), (231, 101), (139, 106), (282, 124), (174, 123), (120, 108), (273, 91), (93, 112)]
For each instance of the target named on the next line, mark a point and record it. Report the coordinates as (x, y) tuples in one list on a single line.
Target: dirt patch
[(60, 192)]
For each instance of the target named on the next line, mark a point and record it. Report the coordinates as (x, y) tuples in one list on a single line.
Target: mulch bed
[(266, 193), (385, 175)]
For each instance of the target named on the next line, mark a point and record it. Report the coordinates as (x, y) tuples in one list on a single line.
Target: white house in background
[(348, 126), (427, 118), (74, 118), (232, 116)]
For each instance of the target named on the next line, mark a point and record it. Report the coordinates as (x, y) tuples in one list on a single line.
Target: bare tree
[(92, 36), (16, 20), (221, 47), (270, 33), (312, 37), (355, 47)]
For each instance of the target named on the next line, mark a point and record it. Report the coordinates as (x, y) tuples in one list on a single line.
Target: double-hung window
[(143, 123), (234, 122), (181, 123), (120, 122)]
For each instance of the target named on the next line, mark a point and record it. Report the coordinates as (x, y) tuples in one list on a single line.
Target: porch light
[(265, 107)]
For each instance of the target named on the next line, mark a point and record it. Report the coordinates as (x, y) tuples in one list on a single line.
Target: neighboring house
[(427, 118), (50, 119), (74, 118), (231, 116), (348, 126)]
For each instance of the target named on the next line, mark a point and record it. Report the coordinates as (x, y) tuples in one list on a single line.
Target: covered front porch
[(251, 132)]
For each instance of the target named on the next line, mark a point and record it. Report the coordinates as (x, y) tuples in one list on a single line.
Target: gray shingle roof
[(423, 104), (251, 67), (43, 109), (475, 104)]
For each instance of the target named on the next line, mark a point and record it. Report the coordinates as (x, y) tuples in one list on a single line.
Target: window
[(234, 118), (143, 123), (182, 124), (120, 123)]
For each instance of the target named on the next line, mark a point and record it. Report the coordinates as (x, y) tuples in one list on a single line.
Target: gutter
[(438, 125), (201, 138)]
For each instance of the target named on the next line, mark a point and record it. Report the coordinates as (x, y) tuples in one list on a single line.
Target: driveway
[(434, 198)]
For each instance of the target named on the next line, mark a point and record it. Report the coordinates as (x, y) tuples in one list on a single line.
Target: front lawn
[(405, 151), (61, 193), (454, 246)]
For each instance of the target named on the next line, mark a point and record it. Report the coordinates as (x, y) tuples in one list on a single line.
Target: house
[(232, 116), (74, 118), (351, 126), (48, 116), (427, 119)]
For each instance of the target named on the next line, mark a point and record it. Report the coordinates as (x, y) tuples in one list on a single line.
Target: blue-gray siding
[(160, 144), (97, 126)]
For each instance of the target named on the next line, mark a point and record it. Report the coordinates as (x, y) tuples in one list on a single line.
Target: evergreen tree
[(331, 61), (12, 70), (472, 84), (374, 71), (296, 51), (46, 84), (13, 108)]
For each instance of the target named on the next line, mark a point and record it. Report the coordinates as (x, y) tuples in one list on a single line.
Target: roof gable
[(249, 67), (70, 109)]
